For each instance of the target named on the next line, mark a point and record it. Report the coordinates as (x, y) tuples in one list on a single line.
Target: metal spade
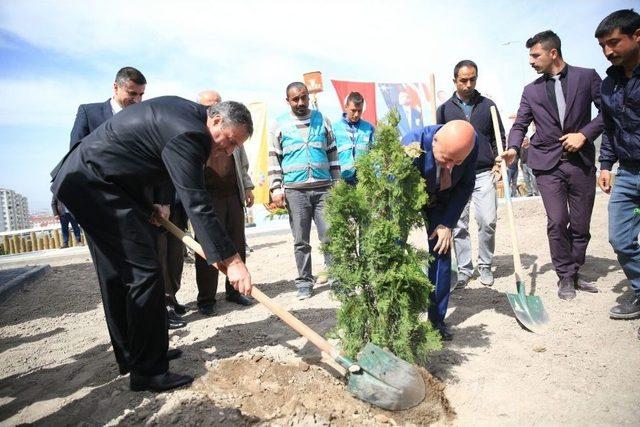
[(528, 309), (377, 377)]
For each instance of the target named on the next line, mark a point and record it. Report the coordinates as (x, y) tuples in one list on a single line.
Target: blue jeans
[(624, 225), (65, 220)]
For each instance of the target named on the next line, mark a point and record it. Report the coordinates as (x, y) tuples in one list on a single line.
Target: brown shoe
[(584, 286), (566, 289)]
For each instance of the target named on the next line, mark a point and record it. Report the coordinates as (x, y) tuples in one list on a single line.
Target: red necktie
[(445, 179)]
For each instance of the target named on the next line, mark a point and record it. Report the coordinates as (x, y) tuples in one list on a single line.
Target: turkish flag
[(366, 89)]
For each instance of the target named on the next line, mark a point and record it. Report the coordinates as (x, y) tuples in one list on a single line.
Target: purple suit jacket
[(583, 88)]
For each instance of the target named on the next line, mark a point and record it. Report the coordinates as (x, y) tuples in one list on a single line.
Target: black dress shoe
[(445, 333), (161, 382), (628, 310), (173, 353), (180, 308), (207, 310), (566, 289), (584, 286), (238, 298), (174, 319)]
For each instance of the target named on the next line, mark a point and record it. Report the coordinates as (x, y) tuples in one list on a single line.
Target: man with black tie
[(128, 90), (561, 154), (108, 182)]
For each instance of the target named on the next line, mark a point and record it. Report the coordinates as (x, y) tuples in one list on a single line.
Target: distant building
[(44, 220), (14, 211)]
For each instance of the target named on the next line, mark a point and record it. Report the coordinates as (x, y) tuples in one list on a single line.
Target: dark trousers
[(231, 214), (568, 193), (171, 254), (439, 270), (65, 220), (122, 243)]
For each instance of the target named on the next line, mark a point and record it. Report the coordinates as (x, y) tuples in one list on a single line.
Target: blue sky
[(55, 55)]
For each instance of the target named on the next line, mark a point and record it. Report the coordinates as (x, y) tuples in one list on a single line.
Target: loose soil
[(57, 367)]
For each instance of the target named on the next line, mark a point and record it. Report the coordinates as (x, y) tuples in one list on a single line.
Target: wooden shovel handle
[(432, 88), (517, 264), (284, 315)]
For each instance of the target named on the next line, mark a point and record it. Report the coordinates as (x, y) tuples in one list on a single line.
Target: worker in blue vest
[(303, 166), (354, 136)]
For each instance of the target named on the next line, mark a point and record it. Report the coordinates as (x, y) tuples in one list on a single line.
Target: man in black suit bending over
[(109, 180)]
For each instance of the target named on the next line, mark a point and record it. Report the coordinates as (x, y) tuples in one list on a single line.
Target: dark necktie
[(445, 178), (562, 105)]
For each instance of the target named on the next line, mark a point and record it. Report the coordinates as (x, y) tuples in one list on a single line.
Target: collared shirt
[(467, 107), (551, 89), (352, 128), (115, 107)]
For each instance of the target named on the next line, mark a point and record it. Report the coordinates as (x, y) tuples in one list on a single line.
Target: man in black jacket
[(107, 181), (467, 104), (619, 37), (128, 89)]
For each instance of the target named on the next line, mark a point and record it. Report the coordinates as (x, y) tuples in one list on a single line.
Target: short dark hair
[(234, 113), (356, 98), (625, 20), (126, 74), (297, 85), (464, 63), (548, 40)]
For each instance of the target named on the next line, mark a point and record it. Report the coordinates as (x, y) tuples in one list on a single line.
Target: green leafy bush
[(382, 287)]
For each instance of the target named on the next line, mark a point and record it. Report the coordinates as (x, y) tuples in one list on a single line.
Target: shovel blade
[(529, 310), (386, 381)]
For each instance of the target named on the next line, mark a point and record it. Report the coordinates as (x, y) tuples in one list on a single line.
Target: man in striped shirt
[(303, 165)]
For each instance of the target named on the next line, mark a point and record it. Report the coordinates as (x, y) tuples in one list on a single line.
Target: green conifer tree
[(381, 285)]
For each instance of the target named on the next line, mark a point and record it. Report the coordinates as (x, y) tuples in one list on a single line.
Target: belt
[(566, 156)]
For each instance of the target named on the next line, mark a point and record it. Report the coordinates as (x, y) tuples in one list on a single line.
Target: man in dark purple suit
[(561, 153)]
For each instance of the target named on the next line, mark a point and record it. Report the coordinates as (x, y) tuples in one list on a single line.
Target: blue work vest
[(302, 159), (351, 147)]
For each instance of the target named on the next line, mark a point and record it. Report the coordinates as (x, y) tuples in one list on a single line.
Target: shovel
[(377, 376), (528, 308)]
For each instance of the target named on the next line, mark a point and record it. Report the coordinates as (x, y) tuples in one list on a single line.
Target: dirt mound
[(285, 394)]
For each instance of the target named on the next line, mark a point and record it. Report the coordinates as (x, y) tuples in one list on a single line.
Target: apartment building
[(14, 211)]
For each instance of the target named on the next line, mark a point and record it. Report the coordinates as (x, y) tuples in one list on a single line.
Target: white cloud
[(40, 102), (254, 48), (381, 35)]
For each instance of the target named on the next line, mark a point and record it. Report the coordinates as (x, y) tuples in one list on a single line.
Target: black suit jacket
[(88, 118), (157, 142)]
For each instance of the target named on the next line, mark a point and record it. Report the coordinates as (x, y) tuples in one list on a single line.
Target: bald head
[(209, 98), (453, 143)]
